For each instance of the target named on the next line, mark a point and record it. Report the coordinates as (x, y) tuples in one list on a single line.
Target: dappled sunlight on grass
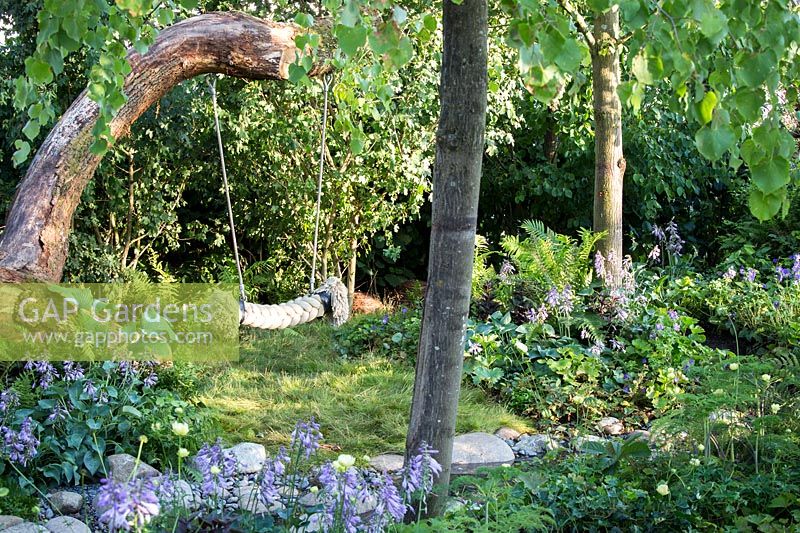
[(362, 405)]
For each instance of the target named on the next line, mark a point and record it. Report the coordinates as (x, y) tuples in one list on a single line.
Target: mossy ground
[(363, 405)]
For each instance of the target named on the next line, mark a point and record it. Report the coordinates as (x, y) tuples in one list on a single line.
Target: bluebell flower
[(20, 446), (130, 505), (45, 371), (9, 399), (150, 381), (385, 319), (217, 468), (72, 371), (307, 436)]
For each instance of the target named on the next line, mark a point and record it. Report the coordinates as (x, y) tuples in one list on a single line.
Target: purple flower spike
[(20, 446), (127, 505), (308, 436)]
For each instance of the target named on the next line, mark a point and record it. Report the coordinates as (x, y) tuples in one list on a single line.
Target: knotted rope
[(330, 296)]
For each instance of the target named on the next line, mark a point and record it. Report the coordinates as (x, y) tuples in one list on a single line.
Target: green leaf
[(647, 69), (765, 206), (705, 107), (748, 102), (357, 141), (22, 152), (752, 69), (430, 23), (31, 129), (304, 20), (92, 462), (296, 73), (713, 22), (714, 140), (351, 39), (127, 409), (350, 14), (38, 70), (599, 6), (570, 56), (401, 54), (188, 4), (771, 174), (752, 152)]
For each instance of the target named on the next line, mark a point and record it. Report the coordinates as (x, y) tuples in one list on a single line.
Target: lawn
[(363, 405)]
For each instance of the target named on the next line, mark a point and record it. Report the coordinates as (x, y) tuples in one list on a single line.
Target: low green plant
[(393, 334), (79, 415)]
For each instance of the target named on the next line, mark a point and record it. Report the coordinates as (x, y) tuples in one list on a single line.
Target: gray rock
[(475, 450), (580, 440), (66, 502), (533, 445), (121, 465), (387, 462), (250, 457), (368, 505), (610, 426), (507, 433), (183, 496), (641, 434), (7, 520), (66, 524), (247, 498), (26, 527)]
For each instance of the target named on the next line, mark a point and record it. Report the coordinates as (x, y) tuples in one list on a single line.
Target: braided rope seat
[(330, 297)]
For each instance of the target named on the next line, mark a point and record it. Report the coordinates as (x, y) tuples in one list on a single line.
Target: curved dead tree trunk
[(34, 244)]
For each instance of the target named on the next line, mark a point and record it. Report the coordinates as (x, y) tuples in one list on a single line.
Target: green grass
[(362, 405)]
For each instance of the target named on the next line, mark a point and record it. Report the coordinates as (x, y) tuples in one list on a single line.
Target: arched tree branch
[(34, 245)]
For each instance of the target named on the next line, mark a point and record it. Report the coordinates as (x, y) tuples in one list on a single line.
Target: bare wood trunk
[(351, 271), (34, 243), (609, 159), (551, 140), (131, 205), (456, 184)]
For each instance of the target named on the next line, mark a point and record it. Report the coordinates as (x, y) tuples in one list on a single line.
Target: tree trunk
[(34, 244), (609, 160), (456, 184)]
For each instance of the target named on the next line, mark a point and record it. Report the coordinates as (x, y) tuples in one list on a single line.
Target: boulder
[(387, 462), (507, 433), (474, 450), (610, 426), (533, 445), (122, 465), (250, 457), (66, 524), (66, 502), (26, 527), (7, 520)]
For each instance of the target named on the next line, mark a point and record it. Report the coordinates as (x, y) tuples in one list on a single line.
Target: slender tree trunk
[(34, 243), (456, 184), (609, 167), (351, 269), (131, 206), (551, 140)]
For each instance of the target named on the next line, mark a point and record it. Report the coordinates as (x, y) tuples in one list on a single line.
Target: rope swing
[(330, 297)]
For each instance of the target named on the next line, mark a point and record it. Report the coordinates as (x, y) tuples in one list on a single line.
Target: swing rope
[(213, 86), (331, 297), (326, 84)]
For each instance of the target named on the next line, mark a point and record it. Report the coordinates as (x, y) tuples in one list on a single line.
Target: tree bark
[(609, 160), (34, 244), (456, 184)]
